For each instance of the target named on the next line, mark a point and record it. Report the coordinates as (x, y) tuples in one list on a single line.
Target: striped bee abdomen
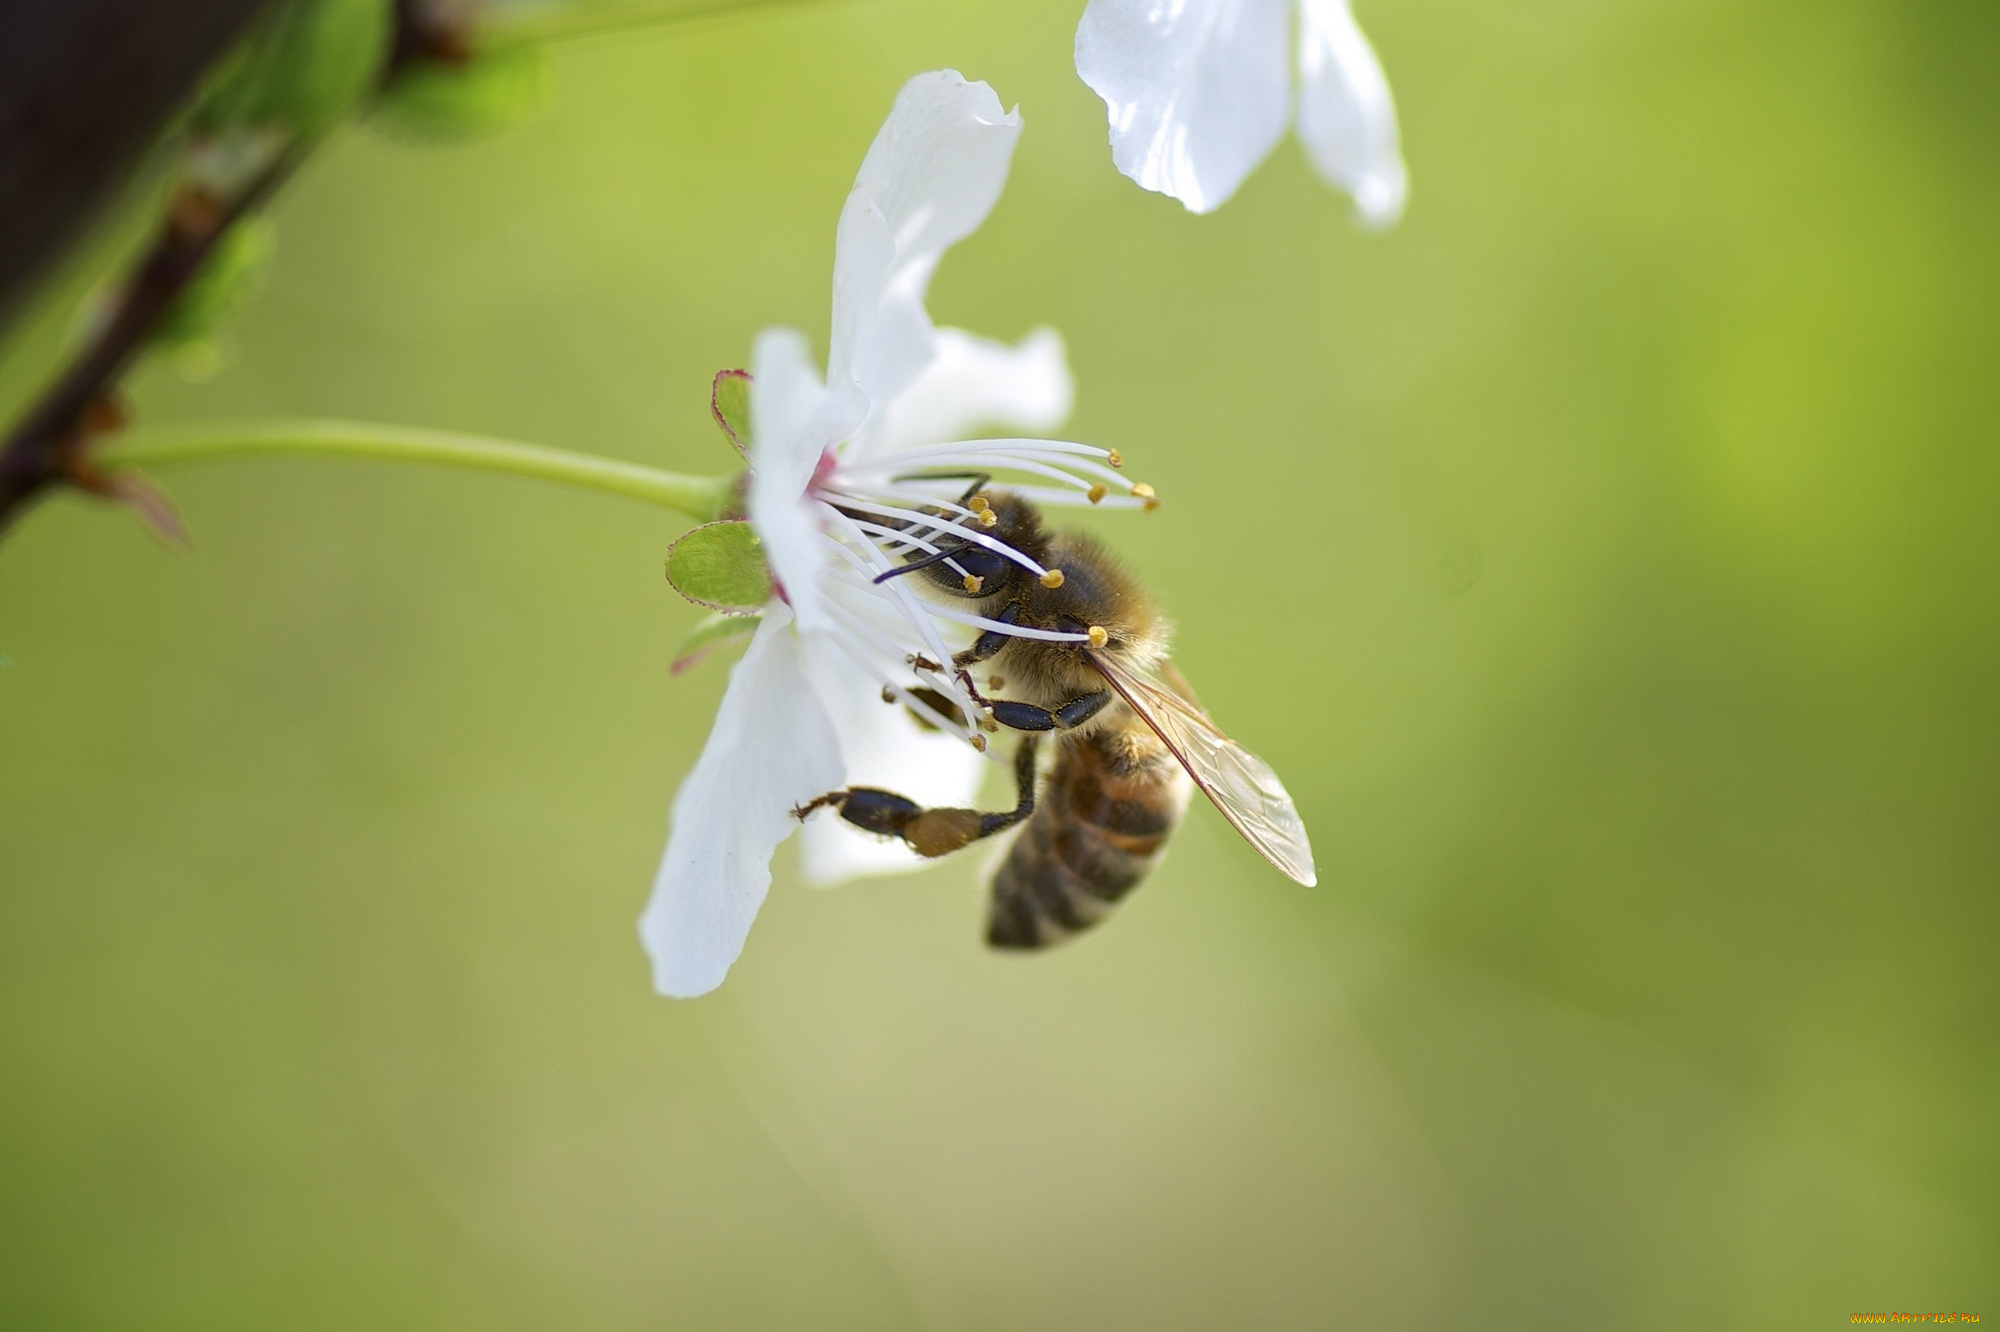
[(1104, 814)]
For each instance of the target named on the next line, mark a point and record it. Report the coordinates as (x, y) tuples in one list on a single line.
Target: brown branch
[(50, 445)]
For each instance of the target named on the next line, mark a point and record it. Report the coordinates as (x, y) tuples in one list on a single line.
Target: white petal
[(785, 395), (794, 419), (1347, 120), (975, 383), (772, 748), (930, 178), (1198, 91), (883, 748)]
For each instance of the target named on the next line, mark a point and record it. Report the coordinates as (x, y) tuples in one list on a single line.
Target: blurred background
[(1607, 558)]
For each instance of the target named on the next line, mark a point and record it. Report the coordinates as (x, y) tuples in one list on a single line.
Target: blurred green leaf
[(721, 566), (496, 89), (304, 68)]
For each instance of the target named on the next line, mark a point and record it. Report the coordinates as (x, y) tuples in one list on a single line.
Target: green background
[(1607, 558)]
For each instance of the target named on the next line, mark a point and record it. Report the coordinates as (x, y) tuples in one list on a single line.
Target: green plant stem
[(700, 497)]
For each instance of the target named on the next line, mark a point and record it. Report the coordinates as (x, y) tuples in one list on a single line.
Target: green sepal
[(303, 69), (715, 633), (721, 566), (729, 404), (496, 88)]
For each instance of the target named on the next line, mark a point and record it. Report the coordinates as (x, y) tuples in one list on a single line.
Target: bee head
[(961, 567)]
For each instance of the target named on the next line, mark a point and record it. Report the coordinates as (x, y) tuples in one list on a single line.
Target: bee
[(1128, 734)]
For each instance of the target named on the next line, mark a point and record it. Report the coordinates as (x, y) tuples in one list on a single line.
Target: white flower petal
[(785, 395), (1347, 120), (772, 748), (1198, 91), (883, 748), (975, 383), (794, 419), (930, 178)]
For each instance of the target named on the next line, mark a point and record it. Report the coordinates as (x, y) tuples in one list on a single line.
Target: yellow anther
[(978, 504), (987, 723), (996, 682), (1142, 491), (1098, 636), (1115, 458), (988, 518), (888, 694), (973, 582), (978, 742), (1097, 493), (1053, 578)]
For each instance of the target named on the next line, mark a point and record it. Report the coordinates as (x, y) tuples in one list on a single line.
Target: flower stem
[(700, 497)]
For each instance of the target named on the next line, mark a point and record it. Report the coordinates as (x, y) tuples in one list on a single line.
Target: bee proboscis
[(1129, 734)]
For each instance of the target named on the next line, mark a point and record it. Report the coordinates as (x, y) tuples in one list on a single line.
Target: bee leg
[(937, 703), (869, 809), (930, 832), (989, 643), (1029, 717)]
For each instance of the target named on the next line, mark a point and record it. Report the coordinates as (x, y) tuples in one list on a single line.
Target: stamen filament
[(991, 453), (874, 635), (1072, 499), (912, 609), (906, 698), (1012, 630), (1065, 447), (928, 523), (998, 462)]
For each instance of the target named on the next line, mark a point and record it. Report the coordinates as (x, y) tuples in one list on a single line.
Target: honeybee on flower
[(851, 476)]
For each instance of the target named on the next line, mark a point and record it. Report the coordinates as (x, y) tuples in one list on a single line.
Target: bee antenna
[(926, 562)]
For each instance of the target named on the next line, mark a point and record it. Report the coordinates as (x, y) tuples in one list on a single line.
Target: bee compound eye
[(988, 569)]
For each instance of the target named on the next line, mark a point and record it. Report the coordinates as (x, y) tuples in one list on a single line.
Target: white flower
[(1200, 91), (848, 479)]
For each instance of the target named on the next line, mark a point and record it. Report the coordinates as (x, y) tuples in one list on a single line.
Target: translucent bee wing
[(1242, 785)]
